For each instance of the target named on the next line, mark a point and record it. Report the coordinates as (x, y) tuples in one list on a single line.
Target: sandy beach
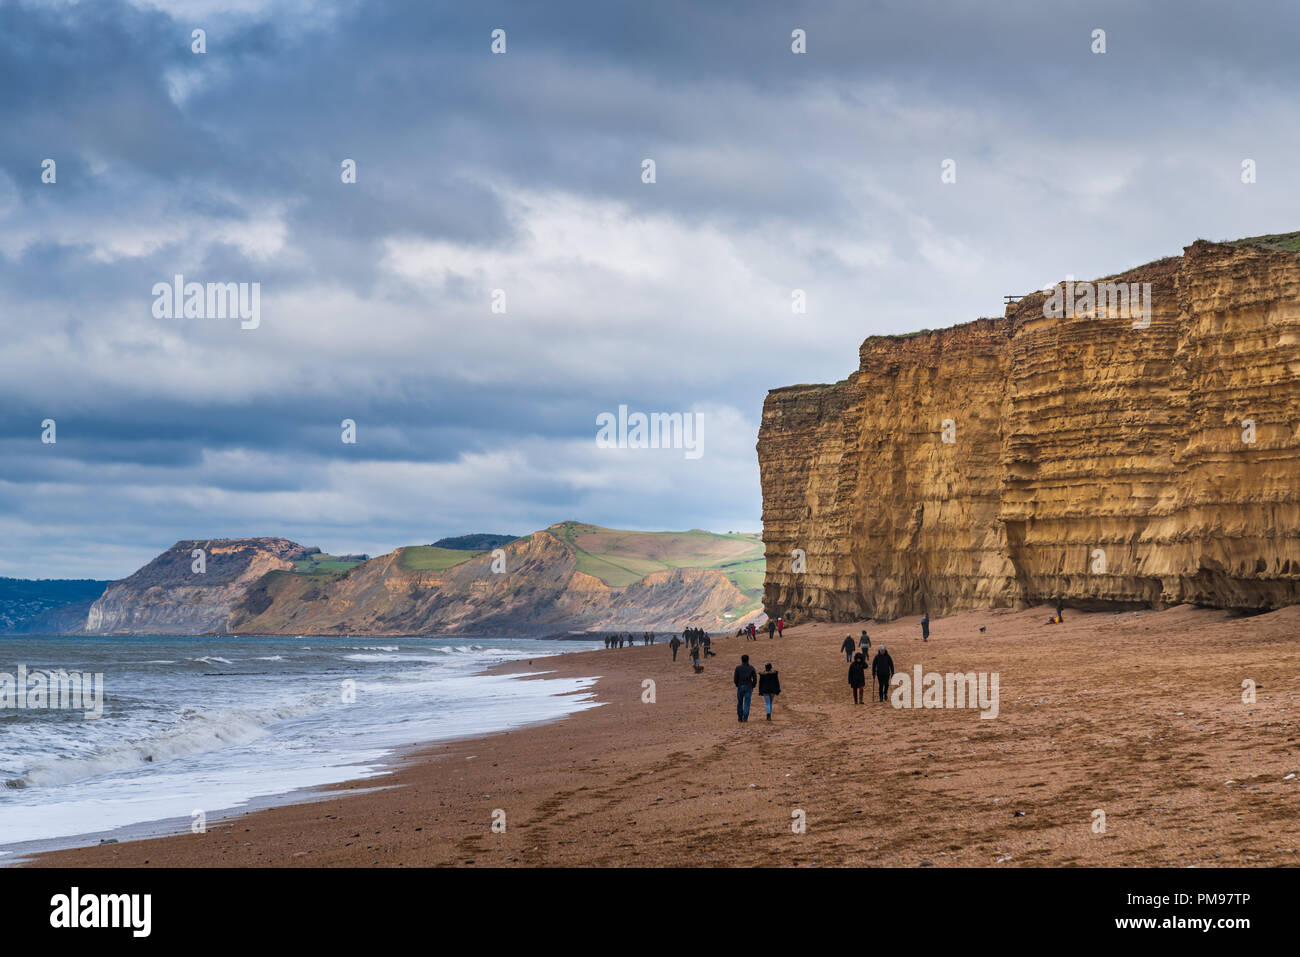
[(1137, 714)]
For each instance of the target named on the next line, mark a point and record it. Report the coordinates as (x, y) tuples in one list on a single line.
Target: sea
[(194, 728)]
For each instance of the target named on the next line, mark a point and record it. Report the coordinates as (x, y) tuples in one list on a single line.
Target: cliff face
[(252, 586), (168, 597), (1014, 460), (541, 591)]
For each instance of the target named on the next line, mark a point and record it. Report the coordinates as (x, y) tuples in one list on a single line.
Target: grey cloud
[(775, 172)]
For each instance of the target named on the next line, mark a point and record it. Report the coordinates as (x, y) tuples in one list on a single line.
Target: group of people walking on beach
[(697, 642), (627, 638), (775, 628), (882, 666), (747, 679)]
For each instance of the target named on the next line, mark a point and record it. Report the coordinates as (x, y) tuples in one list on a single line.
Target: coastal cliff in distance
[(169, 596), (1095, 456), (570, 577)]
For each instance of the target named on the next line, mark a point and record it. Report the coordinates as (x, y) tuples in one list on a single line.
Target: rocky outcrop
[(531, 587), (539, 590), (1107, 458), (171, 595)]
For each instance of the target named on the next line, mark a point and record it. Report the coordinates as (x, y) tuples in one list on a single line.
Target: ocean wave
[(432, 654), (271, 658), (198, 732), (472, 650), (213, 660)]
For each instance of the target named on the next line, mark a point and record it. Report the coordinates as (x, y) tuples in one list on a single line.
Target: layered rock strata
[(1110, 457)]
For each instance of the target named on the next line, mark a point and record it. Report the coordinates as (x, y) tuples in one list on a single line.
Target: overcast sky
[(522, 172)]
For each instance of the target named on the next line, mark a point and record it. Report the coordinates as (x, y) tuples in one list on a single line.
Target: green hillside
[(620, 557), (431, 558), (50, 606), (478, 542), (1289, 242), (615, 556), (320, 563)]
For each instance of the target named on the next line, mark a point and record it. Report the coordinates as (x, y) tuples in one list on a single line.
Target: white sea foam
[(196, 733), (181, 734)]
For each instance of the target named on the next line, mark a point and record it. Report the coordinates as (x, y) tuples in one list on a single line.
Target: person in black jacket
[(882, 668), (858, 677), (769, 686), (847, 647), (745, 677)]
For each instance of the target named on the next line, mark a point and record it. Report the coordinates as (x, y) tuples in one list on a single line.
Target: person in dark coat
[(925, 627), (858, 677), (771, 629), (847, 647), (745, 677), (882, 668), (674, 645), (1060, 611), (769, 686), (864, 645)]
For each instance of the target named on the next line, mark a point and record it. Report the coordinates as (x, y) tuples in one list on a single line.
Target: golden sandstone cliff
[(1104, 457)]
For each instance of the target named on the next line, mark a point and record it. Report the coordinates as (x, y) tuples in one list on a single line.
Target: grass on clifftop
[(1290, 242), (431, 558), (321, 563), (620, 557)]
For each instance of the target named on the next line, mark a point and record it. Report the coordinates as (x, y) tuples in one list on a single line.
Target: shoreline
[(1138, 713), (361, 776), (25, 852)]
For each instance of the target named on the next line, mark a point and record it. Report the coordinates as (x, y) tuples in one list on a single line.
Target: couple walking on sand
[(864, 646), (746, 678), (882, 669)]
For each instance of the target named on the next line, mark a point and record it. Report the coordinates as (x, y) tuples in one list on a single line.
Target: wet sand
[(1137, 714)]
